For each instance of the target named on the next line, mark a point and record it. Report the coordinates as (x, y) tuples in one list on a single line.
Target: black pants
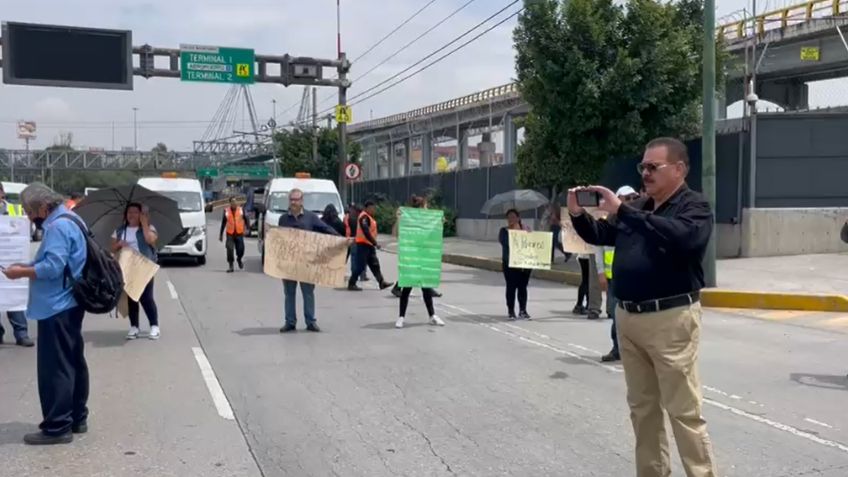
[(62, 372), (583, 290), (516, 283), (365, 255), (428, 300), (235, 242), (149, 305)]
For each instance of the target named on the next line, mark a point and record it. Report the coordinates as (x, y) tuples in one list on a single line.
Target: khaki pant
[(659, 352)]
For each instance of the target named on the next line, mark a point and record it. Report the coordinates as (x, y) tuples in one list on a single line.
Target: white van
[(188, 194), (13, 191), (317, 195)]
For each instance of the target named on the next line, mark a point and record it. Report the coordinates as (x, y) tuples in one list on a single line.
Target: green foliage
[(294, 148), (67, 182), (602, 80), (160, 147), (386, 216)]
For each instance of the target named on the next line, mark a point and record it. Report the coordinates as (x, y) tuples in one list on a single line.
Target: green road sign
[(207, 172), (248, 171), (216, 65)]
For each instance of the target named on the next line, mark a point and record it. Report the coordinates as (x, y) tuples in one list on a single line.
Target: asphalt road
[(485, 397), (478, 397)]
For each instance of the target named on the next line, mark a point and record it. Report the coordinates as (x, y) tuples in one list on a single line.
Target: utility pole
[(315, 124), (708, 134), (752, 102), (113, 135), (343, 69), (135, 129)]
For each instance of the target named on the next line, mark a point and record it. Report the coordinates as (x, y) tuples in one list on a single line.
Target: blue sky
[(297, 27)]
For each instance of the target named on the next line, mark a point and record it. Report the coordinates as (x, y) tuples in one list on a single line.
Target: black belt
[(653, 306)]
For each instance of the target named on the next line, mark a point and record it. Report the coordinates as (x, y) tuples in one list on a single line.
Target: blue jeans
[(290, 292), (19, 324)]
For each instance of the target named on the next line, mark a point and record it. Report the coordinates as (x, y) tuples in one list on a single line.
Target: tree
[(160, 147), (294, 149), (63, 142), (602, 80)]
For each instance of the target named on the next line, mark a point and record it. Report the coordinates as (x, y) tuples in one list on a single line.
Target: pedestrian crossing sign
[(344, 114)]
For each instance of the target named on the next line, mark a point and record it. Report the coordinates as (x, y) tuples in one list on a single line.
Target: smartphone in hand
[(588, 198)]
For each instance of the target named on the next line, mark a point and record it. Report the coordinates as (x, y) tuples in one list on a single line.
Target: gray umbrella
[(520, 200), (103, 212)]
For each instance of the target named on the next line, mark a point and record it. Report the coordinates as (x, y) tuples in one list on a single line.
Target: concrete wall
[(772, 232), (482, 229)]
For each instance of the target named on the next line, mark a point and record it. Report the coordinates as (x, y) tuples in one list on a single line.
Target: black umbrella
[(103, 212)]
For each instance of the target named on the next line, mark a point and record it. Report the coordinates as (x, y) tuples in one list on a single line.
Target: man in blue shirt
[(62, 370), (299, 218)]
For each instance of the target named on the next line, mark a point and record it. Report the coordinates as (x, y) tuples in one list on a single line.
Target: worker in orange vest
[(366, 249), (235, 223), (350, 220)]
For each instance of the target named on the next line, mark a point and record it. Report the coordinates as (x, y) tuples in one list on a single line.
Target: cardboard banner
[(531, 250), (420, 244), (14, 248), (138, 270), (572, 242), (308, 257)]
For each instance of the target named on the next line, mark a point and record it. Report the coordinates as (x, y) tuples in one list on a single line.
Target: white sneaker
[(133, 334), (154, 333), (436, 321), (399, 323)]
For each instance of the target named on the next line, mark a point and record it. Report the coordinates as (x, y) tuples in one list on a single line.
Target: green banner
[(420, 247)]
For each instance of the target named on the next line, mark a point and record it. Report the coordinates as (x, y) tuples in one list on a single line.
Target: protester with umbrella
[(520, 200), (137, 233), (517, 279)]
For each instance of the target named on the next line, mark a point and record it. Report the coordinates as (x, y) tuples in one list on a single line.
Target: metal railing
[(506, 91), (782, 18), (110, 160)]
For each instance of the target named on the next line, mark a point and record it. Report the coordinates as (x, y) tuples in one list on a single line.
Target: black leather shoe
[(230, 270), (42, 439), (353, 288), (610, 357), (313, 327), (287, 329), (594, 316), (579, 310), (385, 285), (80, 428), (396, 291), (25, 342)]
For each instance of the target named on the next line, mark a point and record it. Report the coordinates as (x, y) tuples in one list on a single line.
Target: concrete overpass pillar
[(510, 139), (791, 95), (462, 148), (486, 148), (427, 154)]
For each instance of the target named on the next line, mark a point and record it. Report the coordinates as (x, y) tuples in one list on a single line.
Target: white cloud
[(53, 109)]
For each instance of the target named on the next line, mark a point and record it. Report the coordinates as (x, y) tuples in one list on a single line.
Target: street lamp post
[(708, 133), (135, 129)]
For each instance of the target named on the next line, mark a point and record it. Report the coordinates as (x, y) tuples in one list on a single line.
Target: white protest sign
[(14, 248)]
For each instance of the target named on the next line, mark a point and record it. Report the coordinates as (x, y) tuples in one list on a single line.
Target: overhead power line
[(406, 46), (437, 60), (353, 100), (367, 51)]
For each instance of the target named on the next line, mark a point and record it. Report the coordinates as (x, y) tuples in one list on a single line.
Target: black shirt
[(336, 224), (658, 253)]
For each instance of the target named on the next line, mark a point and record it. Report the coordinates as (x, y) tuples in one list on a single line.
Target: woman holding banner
[(517, 279), (140, 235), (428, 293)]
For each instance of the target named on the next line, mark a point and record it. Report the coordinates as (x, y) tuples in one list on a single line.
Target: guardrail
[(491, 94), (782, 18)]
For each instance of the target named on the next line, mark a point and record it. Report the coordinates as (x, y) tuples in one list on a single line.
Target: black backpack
[(102, 283)]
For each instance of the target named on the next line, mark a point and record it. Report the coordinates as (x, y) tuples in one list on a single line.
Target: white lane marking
[(779, 426), (540, 335), (218, 396), (818, 423), (173, 290), (739, 412)]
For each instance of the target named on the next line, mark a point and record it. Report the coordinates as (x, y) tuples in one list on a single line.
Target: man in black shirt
[(659, 241)]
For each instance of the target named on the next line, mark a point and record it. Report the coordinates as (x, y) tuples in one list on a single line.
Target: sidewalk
[(150, 410), (803, 282)]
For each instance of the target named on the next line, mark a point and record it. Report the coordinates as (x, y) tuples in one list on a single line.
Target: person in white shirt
[(138, 234)]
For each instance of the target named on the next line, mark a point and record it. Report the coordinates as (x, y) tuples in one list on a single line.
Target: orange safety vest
[(235, 225), (347, 225), (360, 235)]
